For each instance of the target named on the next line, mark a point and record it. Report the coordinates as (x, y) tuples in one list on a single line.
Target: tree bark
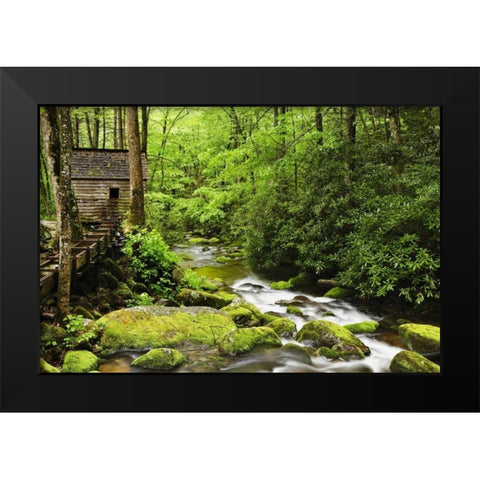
[(115, 134), (137, 212), (319, 125), (89, 130), (64, 188), (145, 115), (96, 126), (350, 128), (120, 129), (394, 124)]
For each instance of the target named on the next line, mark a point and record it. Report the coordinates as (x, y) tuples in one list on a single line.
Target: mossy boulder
[(412, 362), (420, 338), (139, 288), (114, 268), (281, 285), (402, 321), (223, 259), (51, 340), (296, 352), (362, 327), (80, 361), (190, 298), (299, 281), (284, 327), (160, 359), (322, 333), (213, 241), (108, 280), (246, 339), (293, 310), (269, 317), (242, 316), (327, 352), (344, 351), (339, 292), (208, 286), (197, 240), (123, 291), (45, 367), (147, 327), (79, 310)]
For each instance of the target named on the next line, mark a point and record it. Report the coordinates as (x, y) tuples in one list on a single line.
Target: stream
[(255, 289)]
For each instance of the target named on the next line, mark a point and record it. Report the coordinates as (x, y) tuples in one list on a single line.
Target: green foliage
[(80, 331), (139, 299), (151, 260)]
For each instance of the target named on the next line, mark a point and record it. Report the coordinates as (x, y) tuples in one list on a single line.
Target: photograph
[(239, 239)]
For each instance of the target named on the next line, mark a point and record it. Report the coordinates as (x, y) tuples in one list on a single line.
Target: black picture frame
[(456, 388)]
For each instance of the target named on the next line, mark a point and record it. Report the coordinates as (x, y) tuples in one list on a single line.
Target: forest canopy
[(338, 192)]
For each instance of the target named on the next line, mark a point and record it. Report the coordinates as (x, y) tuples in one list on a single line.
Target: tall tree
[(120, 129), (137, 211), (57, 136), (145, 114), (50, 129), (394, 120), (319, 124)]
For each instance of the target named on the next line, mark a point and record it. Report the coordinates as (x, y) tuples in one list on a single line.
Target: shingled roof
[(103, 164)]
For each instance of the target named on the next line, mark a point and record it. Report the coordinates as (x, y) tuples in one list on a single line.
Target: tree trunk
[(115, 134), (275, 116), (89, 130), (96, 126), (64, 188), (137, 212), (145, 114), (120, 129), (394, 124), (319, 125), (350, 128), (104, 129)]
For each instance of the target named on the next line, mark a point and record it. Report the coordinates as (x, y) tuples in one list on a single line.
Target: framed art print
[(239, 239)]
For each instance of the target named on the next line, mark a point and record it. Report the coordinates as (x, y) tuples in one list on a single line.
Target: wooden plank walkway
[(85, 252)]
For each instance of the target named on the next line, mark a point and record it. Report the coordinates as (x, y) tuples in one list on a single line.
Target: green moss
[(154, 327), (79, 310), (347, 350), (160, 359), (412, 362), (362, 327), (108, 280), (328, 352), (322, 333), (299, 281), (197, 240), (223, 259), (241, 316), (294, 310), (328, 313), (284, 327), (209, 286), (124, 292), (268, 317), (45, 367), (80, 361), (213, 241), (115, 269), (190, 297), (339, 292), (402, 321), (281, 285), (420, 338), (246, 339)]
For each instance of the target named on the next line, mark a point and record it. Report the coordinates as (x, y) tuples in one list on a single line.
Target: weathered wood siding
[(94, 202)]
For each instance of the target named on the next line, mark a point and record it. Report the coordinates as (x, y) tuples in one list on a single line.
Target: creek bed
[(255, 289)]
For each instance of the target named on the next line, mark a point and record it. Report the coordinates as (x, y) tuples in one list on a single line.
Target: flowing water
[(255, 289)]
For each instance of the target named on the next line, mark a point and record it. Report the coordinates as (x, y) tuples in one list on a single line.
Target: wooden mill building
[(101, 182)]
